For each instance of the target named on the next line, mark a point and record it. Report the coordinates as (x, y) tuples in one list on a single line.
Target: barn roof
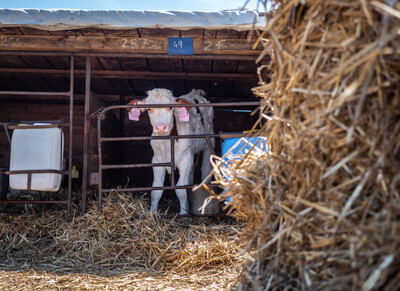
[(129, 52), (61, 19)]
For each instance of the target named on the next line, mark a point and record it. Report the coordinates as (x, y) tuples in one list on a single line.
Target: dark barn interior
[(116, 66)]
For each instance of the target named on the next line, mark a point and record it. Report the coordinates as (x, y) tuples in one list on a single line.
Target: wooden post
[(86, 135)]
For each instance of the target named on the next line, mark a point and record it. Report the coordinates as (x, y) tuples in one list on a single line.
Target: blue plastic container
[(238, 147), (243, 145)]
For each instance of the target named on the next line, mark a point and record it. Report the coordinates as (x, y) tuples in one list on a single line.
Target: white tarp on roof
[(74, 19)]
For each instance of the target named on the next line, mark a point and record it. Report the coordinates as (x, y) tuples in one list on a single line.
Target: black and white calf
[(189, 120)]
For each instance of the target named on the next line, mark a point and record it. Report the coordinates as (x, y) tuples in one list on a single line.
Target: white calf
[(196, 120)]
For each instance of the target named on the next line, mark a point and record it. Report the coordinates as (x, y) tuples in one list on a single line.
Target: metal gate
[(101, 115)]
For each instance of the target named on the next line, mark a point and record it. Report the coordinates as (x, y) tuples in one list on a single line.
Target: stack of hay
[(323, 206)]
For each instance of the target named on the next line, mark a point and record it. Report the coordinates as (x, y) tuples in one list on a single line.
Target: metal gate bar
[(101, 115)]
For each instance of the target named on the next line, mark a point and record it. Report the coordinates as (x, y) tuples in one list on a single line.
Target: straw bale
[(123, 246), (322, 207)]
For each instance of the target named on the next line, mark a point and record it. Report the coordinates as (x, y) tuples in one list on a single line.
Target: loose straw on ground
[(124, 246)]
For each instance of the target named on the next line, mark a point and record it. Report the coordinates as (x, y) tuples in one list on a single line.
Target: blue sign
[(180, 45)]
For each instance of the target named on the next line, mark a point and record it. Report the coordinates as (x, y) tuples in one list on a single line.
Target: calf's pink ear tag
[(134, 114), (183, 114)]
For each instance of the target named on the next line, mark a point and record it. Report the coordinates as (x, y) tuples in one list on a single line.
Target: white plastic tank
[(37, 149)]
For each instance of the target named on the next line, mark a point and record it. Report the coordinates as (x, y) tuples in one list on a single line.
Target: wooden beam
[(136, 75), (235, 57), (121, 44)]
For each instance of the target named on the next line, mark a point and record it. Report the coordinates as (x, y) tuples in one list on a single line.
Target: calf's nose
[(161, 128)]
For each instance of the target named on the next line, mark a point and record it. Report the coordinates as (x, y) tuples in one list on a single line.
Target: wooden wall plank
[(36, 62), (121, 44), (197, 84), (220, 88), (92, 31), (71, 32), (12, 62), (134, 64), (199, 66), (225, 66), (179, 87), (59, 62), (33, 31), (176, 65), (167, 84), (159, 65), (231, 34), (79, 43), (11, 84), (121, 32), (10, 31), (142, 86), (247, 67), (163, 32), (210, 34), (196, 32)]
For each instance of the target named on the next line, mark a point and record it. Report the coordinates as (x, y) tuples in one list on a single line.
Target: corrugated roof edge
[(60, 19)]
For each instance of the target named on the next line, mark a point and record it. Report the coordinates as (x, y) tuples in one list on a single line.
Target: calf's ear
[(137, 102), (183, 112), (184, 101), (134, 112)]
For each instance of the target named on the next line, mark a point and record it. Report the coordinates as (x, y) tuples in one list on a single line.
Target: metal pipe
[(155, 55), (131, 166), (54, 123), (224, 104), (45, 171), (136, 75), (33, 202), (34, 93), (71, 131), (33, 126), (86, 134), (31, 53), (7, 133), (172, 162), (172, 216), (29, 182), (136, 138), (100, 160), (210, 145), (147, 188), (30, 172)]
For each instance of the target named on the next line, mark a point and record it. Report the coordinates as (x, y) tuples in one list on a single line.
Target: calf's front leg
[(158, 181), (185, 178)]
